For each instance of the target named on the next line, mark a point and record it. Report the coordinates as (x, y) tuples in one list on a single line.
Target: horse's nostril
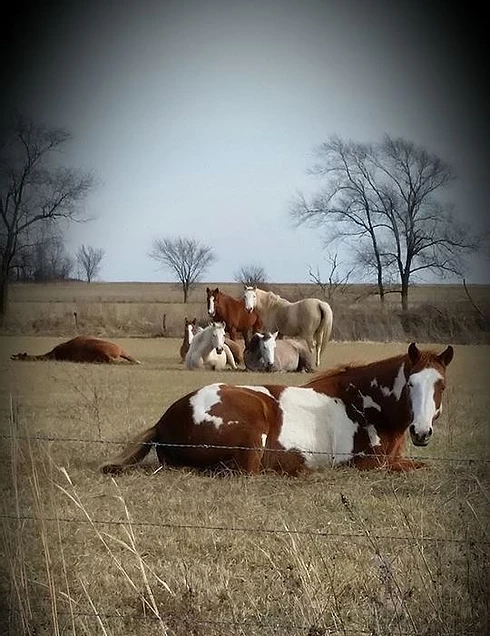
[(412, 429), (429, 432)]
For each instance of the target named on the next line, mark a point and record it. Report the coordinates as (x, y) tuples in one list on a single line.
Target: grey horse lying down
[(265, 352)]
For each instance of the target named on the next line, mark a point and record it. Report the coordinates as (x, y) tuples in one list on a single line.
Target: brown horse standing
[(82, 349), (351, 414), (233, 313)]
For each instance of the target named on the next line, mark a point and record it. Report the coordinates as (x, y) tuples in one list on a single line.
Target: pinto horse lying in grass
[(82, 349), (356, 414)]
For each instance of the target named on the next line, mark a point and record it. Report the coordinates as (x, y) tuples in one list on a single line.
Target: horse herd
[(354, 414), (262, 318)]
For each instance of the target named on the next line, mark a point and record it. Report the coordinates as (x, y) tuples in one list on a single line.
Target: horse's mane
[(340, 369)]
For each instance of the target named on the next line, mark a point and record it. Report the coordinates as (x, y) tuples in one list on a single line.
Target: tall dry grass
[(438, 312)]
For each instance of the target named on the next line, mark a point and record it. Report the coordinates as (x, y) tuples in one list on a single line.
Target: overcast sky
[(200, 117)]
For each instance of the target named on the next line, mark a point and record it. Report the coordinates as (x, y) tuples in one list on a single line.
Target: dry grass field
[(178, 552)]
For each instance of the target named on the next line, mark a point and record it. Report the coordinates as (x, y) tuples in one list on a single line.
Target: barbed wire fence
[(271, 626)]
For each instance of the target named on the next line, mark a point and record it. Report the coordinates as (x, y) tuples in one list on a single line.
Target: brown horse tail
[(134, 452)]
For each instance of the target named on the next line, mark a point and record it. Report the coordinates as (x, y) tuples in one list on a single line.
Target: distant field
[(438, 312), (337, 553)]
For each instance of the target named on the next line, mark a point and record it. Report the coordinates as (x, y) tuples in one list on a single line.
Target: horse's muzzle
[(219, 350), (419, 439)]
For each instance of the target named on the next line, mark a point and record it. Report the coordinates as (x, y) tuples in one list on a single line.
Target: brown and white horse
[(356, 414), (233, 313), (82, 349), (190, 329)]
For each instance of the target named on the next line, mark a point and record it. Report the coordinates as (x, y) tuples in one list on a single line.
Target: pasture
[(178, 552)]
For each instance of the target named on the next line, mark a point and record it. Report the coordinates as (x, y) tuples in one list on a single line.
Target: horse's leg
[(247, 336), (249, 459), (229, 356)]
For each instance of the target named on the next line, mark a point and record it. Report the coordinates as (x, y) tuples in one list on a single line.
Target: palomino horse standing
[(309, 318), (356, 414), (266, 353), (82, 349), (208, 349), (233, 313)]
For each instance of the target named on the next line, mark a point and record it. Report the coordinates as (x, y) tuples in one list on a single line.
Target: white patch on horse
[(202, 401), (211, 309), (258, 388), (369, 403), (264, 440), (374, 439), (374, 382), (398, 384), (422, 398), (316, 423)]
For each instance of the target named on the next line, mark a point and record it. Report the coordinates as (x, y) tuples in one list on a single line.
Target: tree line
[(382, 203), (47, 260)]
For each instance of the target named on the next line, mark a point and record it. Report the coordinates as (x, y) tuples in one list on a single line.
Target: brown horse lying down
[(356, 414), (82, 349)]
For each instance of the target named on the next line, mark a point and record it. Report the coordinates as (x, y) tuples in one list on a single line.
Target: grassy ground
[(181, 553)]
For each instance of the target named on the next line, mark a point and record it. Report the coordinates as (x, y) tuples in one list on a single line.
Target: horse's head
[(425, 385), (211, 297), (190, 327), (218, 336), (268, 349), (250, 297)]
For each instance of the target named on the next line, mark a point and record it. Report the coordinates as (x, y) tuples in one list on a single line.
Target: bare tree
[(186, 258), (33, 190), (89, 260), (336, 281), (251, 275), (382, 198)]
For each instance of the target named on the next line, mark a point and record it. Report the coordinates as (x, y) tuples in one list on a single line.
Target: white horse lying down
[(208, 349), (309, 318), (266, 353)]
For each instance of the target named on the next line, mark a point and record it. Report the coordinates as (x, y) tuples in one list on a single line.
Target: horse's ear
[(194, 321), (208, 291), (446, 356), (216, 291), (274, 335), (413, 353)]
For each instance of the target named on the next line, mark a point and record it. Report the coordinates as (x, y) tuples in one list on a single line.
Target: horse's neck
[(268, 301), (378, 390), (202, 342)]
